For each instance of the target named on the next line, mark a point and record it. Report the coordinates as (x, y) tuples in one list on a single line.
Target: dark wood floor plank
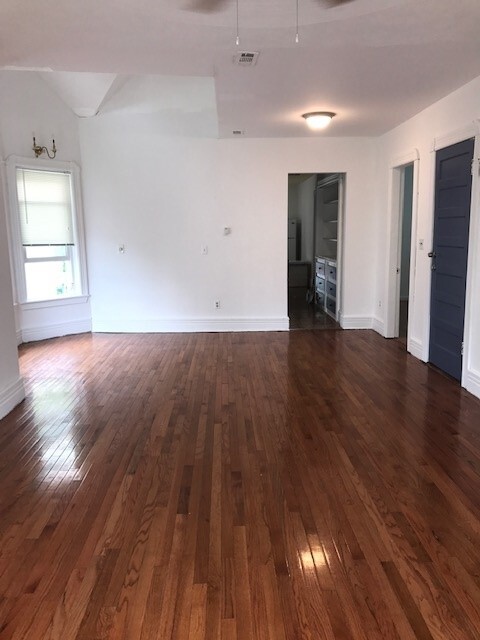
[(312, 485)]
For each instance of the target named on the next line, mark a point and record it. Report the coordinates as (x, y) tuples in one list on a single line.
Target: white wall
[(305, 207), (29, 107), (293, 201), (165, 197), (453, 118), (11, 386)]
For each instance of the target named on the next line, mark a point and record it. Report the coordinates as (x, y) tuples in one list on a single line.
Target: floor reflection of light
[(319, 558), (59, 460), (314, 558), (54, 404), (307, 560)]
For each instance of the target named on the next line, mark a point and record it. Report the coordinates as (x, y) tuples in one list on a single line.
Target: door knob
[(432, 254)]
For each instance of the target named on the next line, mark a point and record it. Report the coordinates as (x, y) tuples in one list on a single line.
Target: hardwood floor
[(308, 316), (281, 486)]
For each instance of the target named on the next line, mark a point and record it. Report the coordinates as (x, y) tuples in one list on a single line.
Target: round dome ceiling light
[(318, 119)]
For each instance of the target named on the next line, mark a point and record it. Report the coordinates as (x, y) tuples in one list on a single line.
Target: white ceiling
[(374, 62)]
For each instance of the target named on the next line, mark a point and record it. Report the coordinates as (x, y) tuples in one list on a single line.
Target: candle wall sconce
[(38, 149)]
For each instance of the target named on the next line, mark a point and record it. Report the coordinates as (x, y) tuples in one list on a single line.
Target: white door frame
[(393, 254)]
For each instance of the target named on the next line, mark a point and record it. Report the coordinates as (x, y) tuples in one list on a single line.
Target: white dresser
[(326, 285)]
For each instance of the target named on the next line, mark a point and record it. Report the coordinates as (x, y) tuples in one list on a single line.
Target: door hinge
[(461, 350)]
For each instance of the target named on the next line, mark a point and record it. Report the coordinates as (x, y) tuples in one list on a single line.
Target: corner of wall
[(415, 348), (10, 396), (472, 383), (378, 326)]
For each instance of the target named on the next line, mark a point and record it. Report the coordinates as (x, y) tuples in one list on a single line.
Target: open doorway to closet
[(401, 252), (405, 242), (315, 213)]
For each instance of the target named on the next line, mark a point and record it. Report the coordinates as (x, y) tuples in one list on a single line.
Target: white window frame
[(19, 258)]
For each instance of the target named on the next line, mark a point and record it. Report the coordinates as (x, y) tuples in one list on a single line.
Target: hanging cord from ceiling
[(296, 22), (237, 40)]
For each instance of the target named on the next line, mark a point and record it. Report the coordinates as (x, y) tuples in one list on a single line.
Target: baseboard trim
[(472, 383), (378, 326), (19, 337), (356, 322), (415, 347), (32, 334), (194, 325), (11, 396)]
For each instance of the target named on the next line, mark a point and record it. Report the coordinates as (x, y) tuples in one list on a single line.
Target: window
[(47, 235)]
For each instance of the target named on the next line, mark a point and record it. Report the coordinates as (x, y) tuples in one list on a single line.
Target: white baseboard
[(378, 326), (356, 322), (472, 383), (19, 337), (11, 396), (415, 347), (194, 325), (31, 334)]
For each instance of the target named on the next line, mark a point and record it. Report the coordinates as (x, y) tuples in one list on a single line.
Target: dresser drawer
[(331, 272), (332, 305), (320, 267), (332, 289), (320, 299), (320, 283)]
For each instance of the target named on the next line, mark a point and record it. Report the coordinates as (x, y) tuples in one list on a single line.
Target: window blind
[(45, 207)]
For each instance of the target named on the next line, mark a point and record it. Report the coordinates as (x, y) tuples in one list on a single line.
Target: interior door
[(453, 187)]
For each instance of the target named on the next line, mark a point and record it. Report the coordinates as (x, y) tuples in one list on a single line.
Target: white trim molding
[(191, 325), (356, 322), (472, 383), (405, 158), (458, 135), (12, 395), (379, 326), (33, 334), (415, 347), (58, 302)]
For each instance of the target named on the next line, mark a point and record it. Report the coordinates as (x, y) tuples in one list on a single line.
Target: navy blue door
[(453, 188)]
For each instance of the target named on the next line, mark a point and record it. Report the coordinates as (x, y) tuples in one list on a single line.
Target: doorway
[(315, 205), (401, 252), (405, 242), (449, 255)]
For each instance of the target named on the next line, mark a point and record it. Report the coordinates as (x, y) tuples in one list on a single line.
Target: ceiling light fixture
[(318, 119)]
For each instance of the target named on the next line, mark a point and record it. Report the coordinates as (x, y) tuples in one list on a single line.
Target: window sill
[(57, 302)]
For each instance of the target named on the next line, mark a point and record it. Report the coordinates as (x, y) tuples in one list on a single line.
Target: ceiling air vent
[(246, 58)]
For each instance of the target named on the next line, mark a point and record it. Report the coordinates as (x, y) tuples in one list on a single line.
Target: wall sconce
[(38, 149), (318, 119)]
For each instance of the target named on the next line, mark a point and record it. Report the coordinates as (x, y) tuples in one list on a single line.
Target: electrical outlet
[(379, 304), (217, 304)]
